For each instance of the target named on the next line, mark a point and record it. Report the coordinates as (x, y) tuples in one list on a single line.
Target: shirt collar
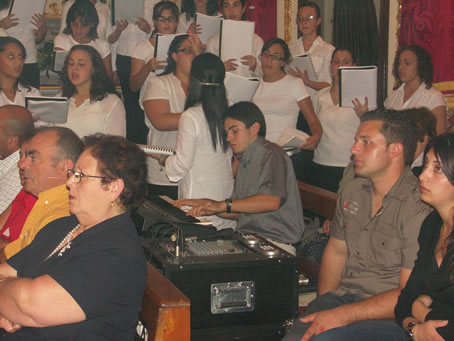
[(54, 193), (246, 156)]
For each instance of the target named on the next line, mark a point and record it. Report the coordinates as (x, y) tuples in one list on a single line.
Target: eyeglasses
[(79, 175), (307, 19), (186, 50), (274, 57), (163, 20)]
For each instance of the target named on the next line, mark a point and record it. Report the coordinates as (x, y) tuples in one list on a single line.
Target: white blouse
[(107, 116), (21, 93), (144, 51), (66, 42), (166, 87), (429, 98), (320, 53), (339, 128), (201, 172), (278, 102)]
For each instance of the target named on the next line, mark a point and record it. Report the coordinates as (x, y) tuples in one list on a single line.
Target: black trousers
[(136, 130)]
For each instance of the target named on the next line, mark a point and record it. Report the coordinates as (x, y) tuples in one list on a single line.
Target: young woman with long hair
[(95, 106), (202, 163)]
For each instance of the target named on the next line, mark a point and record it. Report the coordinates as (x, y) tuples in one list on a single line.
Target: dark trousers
[(326, 177), (136, 130), (30, 75)]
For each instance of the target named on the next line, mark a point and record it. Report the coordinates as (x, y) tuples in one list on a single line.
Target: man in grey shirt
[(265, 198), (373, 243)]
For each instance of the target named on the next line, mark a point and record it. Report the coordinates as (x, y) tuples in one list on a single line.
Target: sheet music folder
[(49, 109), (304, 63), (128, 10), (235, 39), (357, 82), (25, 9)]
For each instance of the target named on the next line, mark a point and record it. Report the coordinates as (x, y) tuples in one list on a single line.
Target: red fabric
[(21, 207), (263, 13), (430, 24)]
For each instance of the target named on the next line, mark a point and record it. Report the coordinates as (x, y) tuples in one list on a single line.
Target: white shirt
[(144, 51), (278, 102), (21, 93), (107, 116), (166, 87), (25, 35), (320, 53), (429, 98), (339, 128), (201, 172), (241, 70), (132, 35), (9, 180), (104, 15), (66, 42)]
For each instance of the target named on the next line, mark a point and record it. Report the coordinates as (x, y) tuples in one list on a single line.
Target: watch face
[(410, 327)]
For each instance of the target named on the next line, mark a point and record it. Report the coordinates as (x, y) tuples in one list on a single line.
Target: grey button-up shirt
[(379, 246), (265, 168)]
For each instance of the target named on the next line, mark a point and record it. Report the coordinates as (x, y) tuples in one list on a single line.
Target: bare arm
[(38, 302), (440, 115), (333, 263), (140, 71), (120, 26), (158, 112), (107, 61), (307, 109), (297, 72), (4, 216), (41, 27)]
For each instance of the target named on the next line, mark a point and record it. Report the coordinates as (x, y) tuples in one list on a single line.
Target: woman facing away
[(13, 90), (414, 70), (163, 103), (83, 276), (202, 163), (94, 104), (81, 29), (280, 96), (425, 308)]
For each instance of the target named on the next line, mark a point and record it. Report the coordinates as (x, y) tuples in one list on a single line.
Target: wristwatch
[(228, 205), (410, 329)]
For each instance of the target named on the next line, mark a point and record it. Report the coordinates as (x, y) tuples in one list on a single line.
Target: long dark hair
[(173, 48), (88, 16), (425, 67), (101, 84), (188, 7), (10, 40), (443, 149), (207, 87)]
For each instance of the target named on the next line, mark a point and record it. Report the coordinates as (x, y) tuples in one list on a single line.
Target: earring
[(112, 203)]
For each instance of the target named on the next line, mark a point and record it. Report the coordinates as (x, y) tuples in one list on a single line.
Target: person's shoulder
[(272, 149), (357, 186)]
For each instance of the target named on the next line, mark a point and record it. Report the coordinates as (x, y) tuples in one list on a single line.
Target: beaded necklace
[(64, 244)]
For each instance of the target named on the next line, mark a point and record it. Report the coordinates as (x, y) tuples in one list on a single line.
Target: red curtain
[(430, 24), (263, 13)]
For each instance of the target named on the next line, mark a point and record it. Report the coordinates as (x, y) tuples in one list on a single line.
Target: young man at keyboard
[(265, 198)]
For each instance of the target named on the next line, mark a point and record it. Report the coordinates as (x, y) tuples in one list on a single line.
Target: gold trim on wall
[(288, 21)]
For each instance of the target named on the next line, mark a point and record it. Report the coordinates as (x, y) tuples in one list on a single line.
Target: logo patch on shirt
[(351, 207)]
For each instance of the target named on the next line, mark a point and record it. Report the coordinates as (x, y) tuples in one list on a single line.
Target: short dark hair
[(119, 158), (425, 67), (248, 113), (425, 120), (348, 49), (173, 48), (88, 16), (396, 127), (101, 84), (273, 41), (243, 2), (313, 5), (69, 145), (188, 7)]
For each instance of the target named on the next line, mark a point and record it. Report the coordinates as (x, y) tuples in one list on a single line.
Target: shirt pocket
[(386, 246)]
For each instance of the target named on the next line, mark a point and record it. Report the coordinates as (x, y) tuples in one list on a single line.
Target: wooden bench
[(322, 203), (165, 309)]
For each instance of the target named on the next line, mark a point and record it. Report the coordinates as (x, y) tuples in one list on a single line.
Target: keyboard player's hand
[(201, 207)]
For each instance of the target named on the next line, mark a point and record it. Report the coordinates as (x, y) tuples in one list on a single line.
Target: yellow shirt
[(51, 205)]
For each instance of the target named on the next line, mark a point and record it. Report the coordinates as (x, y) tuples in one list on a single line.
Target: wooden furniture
[(165, 310), (322, 203)]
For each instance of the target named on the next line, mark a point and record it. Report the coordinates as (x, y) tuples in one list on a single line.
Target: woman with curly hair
[(95, 106), (413, 70)]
